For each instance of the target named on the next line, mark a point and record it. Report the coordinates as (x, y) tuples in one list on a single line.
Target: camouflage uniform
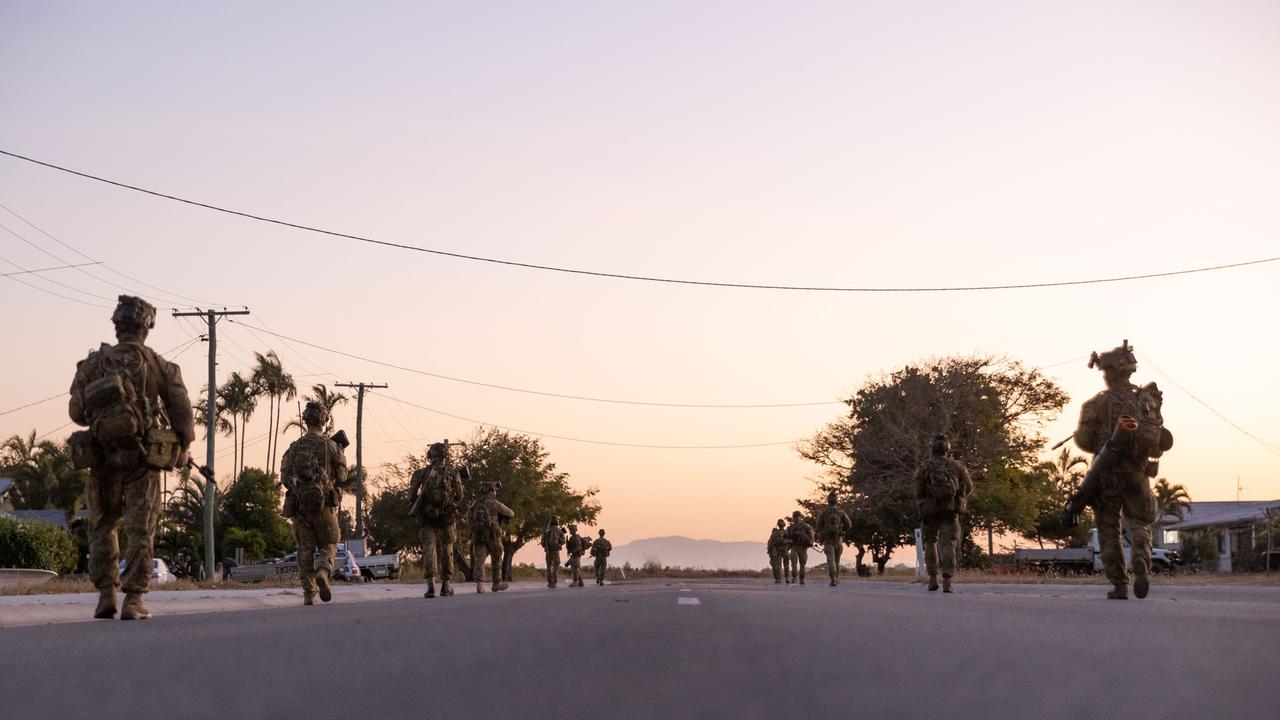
[(314, 467), (487, 516), (600, 550), (553, 538), (833, 523), (800, 539), (576, 545), (777, 548), (439, 529), (1119, 488), (122, 489), (939, 515)]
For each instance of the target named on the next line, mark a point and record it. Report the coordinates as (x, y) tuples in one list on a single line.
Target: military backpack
[(436, 492), (484, 521), (311, 480), (119, 411)]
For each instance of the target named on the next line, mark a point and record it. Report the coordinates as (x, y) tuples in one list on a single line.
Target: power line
[(527, 391), (33, 404), (576, 439), (48, 291), (1265, 444), (47, 269), (626, 276)]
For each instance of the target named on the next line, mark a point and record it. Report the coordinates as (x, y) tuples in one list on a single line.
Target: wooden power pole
[(211, 318), (360, 390)]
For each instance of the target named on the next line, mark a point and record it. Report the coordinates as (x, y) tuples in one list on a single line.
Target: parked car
[(345, 568), (160, 574), (1087, 559)]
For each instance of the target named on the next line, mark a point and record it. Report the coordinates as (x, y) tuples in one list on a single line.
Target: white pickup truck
[(1086, 559)]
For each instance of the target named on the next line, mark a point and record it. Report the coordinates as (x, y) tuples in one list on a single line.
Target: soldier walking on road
[(487, 517), (314, 468), (800, 537), (140, 422), (600, 550), (777, 548), (1123, 426), (437, 491), (553, 538), (833, 523), (942, 484), (576, 545)]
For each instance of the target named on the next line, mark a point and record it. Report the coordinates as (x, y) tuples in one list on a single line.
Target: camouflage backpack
[(483, 520), (437, 491), (940, 482), (310, 463), (829, 525), (116, 403)]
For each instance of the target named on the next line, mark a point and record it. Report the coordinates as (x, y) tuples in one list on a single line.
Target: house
[(1236, 525), (5, 485), (53, 517)]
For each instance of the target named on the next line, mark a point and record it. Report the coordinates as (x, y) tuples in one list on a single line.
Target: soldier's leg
[(106, 507), (446, 536), (829, 549), (600, 565), (495, 551), (305, 534), (1140, 511), (479, 553), (802, 556), (948, 533), (141, 512), (553, 568), (929, 534), (428, 539), (1107, 517)]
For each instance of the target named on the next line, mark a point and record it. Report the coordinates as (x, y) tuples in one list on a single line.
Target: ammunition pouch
[(290, 505), (312, 498), (84, 450), (162, 449)]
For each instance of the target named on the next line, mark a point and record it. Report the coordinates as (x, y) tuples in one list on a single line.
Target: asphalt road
[(724, 649)]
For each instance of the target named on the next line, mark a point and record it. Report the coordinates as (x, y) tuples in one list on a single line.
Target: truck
[(1086, 559), (371, 568)]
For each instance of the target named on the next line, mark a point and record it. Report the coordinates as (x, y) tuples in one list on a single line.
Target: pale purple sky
[(929, 144)]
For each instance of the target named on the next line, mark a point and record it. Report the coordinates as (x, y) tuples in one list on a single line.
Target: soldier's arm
[(415, 481), (338, 463), (177, 403), (286, 464), (1087, 436), (919, 481), (75, 406), (503, 510), (965, 482)]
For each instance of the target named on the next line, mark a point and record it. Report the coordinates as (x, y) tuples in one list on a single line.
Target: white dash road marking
[(686, 590), (682, 600)]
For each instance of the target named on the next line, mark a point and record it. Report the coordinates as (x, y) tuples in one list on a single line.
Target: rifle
[(1118, 449), (1063, 441), (204, 470)]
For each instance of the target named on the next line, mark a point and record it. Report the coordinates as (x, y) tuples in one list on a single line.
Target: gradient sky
[(929, 144)]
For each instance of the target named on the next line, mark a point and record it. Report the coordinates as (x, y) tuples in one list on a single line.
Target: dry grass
[(80, 584)]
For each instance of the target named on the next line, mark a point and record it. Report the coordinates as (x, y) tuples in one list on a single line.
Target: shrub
[(36, 545)]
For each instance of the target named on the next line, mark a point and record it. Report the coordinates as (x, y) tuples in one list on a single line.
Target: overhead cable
[(527, 391), (48, 269), (1270, 447), (627, 276)]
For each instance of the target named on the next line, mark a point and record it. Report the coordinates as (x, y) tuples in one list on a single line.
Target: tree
[(44, 478), (182, 522), (388, 525), (990, 408), (252, 503), (269, 378), (1064, 474), (1171, 500), (238, 398)]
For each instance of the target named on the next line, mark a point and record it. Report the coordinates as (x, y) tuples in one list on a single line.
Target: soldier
[(437, 491), (1123, 427), (833, 523), (314, 468), (576, 545), (600, 550), (777, 548), (140, 422), (942, 486), (487, 516), (553, 538), (800, 537)]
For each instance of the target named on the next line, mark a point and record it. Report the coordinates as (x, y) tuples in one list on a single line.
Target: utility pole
[(360, 390), (211, 318)]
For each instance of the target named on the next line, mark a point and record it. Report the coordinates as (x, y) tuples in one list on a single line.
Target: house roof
[(1206, 514), (5, 484), (53, 517)]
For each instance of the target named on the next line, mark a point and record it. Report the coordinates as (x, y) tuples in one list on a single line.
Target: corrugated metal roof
[(1205, 514), (53, 517)]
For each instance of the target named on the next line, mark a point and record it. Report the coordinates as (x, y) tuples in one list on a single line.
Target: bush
[(36, 545)]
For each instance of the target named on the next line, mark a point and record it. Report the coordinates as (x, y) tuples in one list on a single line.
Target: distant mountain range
[(680, 551)]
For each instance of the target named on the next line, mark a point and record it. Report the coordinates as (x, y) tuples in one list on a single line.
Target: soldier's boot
[(446, 590), (834, 582), (322, 583), (946, 584), (1119, 592), (431, 589), (308, 599), (106, 604), (1140, 585), (499, 586), (479, 586), (133, 608), (933, 583)]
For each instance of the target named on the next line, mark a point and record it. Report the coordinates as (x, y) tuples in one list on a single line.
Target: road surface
[(714, 649)]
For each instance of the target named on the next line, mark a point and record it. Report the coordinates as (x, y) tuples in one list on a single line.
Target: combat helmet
[(1121, 359), (437, 451), (315, 414), (133, 313), (940, 446)]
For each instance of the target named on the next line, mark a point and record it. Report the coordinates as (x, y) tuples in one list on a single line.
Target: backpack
[(311, 460), (437, 492), (483, 520), (116, 403), (552, 539), (830, 526), (940, 482)]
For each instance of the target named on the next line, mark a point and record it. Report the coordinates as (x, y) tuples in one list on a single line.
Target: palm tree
[(326, 398), (221, 425), (239, 398), (271, 380), (1064, 470), (44, 478), (1172, 500)]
